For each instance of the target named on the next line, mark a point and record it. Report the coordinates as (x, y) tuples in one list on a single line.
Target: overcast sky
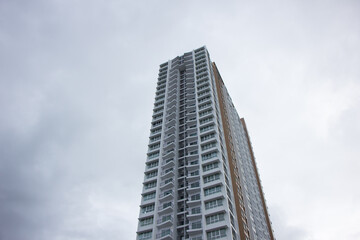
[(77, 86)]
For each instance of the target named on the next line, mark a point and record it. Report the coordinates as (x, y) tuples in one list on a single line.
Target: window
[(194, 152), (215, 218), (205, 120), (154, 155), (159, 103), (213, 203), (203, 93), (195, 173), (195, 185), (152, 164), (149, 196), (152, 147), (204, 106), (195, 197), (156, 131), (196, 225), (202, 81), (148, 208), (209, 156), (208, 136), (202, 75), (157, 123), (210, 166), (169, 160), (165, 232), (196, 210), (208, 146), (219, 233), (196, 162), (159, 98), (151, 174), (211, 178), (205, 113), (166, 218), (153, 139), (168, 192), (204, 99), (145, 235), (197, 238), (168, 180), (146, 221), (165, 205), (212, 190), (206, 128), (150, 185)]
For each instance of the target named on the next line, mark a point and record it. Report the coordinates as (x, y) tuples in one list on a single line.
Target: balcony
[(191, 114), (172, 97), (193, 145), (155, 131), (165, 235), (166, 196), (193, 215), (204, 100), (193, 177), (153, 150), (172, 87), (171, 103), (171, 110), (193, 190), (193, 165), (168, 163), (195, 228), (171, 115), (157, 116), (190, 84), (170, 123), (159, 104), (207, 129), (169, 146), (166, 185), (155, 139), (167, 173), (169, 154), (166, 209), (170, 137), (166, 222), (191, 108), (202, 82), (202, 76), (205, 106)]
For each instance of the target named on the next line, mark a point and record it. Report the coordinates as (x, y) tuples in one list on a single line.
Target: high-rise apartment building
[(201, 180)]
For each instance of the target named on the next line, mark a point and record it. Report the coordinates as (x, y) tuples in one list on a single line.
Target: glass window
[(149, 196), (150, 185), (212, 190), (145, 235), (146, 221), (211, 178), (210, 166), (215, 218), (213, 203), (216, 234), (148, 208)]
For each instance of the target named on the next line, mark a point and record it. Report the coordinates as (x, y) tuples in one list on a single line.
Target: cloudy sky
[(77, 85)]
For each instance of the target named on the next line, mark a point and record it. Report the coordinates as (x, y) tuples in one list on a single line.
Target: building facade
[(201, 179)]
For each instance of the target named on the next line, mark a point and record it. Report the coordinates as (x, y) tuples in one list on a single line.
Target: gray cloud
[(77, 82)]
